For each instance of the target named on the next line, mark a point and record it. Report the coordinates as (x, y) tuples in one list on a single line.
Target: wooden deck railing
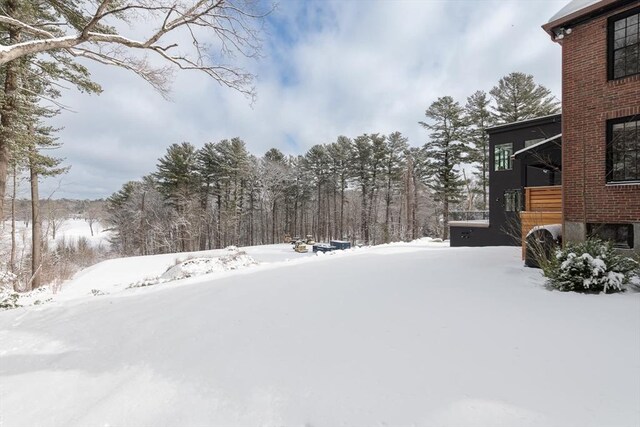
[(543, 205)]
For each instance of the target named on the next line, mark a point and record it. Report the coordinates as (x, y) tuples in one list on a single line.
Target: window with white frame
[(502, 156)]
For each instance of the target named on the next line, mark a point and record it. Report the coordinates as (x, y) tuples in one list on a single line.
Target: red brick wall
[(588, 101)]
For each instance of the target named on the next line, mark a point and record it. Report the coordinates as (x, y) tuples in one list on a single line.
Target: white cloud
[(330, 68)]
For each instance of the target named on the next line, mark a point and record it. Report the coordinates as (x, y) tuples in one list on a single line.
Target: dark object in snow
[(540, 247), (323, 247), (340, 244)]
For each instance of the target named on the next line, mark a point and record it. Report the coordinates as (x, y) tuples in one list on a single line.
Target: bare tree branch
[(25, 27), (230, 26)]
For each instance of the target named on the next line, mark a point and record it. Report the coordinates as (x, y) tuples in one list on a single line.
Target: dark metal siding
[(504, 229)]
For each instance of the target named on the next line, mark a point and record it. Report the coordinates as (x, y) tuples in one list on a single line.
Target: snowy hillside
[(69, 230), (407, 334)]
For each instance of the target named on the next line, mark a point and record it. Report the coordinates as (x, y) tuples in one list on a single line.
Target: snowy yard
[(408, 334)]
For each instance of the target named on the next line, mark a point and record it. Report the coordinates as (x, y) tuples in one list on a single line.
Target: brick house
[(600, 42)]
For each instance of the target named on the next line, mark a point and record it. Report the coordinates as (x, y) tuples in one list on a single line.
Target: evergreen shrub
[(592, 266)]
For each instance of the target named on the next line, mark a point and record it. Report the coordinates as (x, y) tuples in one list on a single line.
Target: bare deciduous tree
[(190, 35)]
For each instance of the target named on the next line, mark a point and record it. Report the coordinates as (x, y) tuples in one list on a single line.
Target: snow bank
[(554, 229), (199, 266), (234, 259)]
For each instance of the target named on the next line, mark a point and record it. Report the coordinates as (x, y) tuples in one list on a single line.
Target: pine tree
[(317, 164), (478, 117), (177, 172), (362, 155), (444, 152), (378, 154), (235, 159), (518, 97), (122, 219), (178, 181), (274, 177), (394, 164), (27, 136), (58, 67), (340, 156), (415, 173), (210, 171)]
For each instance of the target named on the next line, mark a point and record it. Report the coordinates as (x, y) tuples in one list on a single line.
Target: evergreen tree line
[(372, 188)]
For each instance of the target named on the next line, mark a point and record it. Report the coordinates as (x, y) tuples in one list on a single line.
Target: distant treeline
[(373, 188)]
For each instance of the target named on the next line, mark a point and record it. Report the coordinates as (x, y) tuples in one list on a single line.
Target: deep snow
[(406, 334)]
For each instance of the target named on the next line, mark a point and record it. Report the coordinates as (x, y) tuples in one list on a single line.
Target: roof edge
[(522, 123), (584, 14), (536, 145)]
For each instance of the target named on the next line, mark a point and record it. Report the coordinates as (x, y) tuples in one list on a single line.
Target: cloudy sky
[(329, 68)]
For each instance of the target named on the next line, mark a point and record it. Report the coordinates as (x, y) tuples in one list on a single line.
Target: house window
[(624, 44), (502, 156), (623, 150), (513, 200), (620, 234)]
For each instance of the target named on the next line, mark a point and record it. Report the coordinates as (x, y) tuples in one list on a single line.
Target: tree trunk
[(414, 208), (387, 212), (320, 212), (251, 207), (273, 223), (143, 229), (9, 106), (335, 213), (12, 260), (445, 218), (36, 227), (342, 186), (484, 183), (409, 193), (330, 222), (204, 223), (364, 216), (218, 222)]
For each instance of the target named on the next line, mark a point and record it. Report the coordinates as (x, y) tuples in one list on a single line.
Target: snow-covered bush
[(7, 280), (233, 260), (592, 266), (8, 298)]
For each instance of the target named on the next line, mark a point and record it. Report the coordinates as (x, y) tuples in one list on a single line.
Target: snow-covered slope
[(115, 275), (394, 335)]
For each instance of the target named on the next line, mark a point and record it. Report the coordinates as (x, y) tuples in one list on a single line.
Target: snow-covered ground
[(69, 230), (72, 229), (405, 334)]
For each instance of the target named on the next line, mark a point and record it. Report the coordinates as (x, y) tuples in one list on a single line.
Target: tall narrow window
[(623, 149), (502, 157), (513, 200), (624, 44)]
